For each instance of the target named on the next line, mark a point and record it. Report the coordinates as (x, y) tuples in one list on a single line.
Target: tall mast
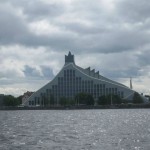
[(131, 83)]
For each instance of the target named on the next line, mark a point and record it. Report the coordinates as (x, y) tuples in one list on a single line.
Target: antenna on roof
[(131, 83)]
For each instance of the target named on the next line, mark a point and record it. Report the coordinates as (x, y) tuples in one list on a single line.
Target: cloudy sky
[(112, 36)]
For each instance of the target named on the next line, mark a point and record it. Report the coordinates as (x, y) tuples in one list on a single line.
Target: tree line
[(9, 100), (80, 99), (111, 99)]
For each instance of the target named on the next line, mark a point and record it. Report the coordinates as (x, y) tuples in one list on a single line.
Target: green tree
[(63, 101), (10, 100), (102, 100), (80, 98), (137, 99), (109, 99), (116, 99), (46, 102), (84, 98), (19, 99), (89, 99), (51, 100), (72, 102)]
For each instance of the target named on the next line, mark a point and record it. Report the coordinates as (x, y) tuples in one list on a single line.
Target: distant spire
[(131, 83)]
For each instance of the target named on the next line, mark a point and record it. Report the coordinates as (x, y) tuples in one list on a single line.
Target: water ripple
[(124, 129)]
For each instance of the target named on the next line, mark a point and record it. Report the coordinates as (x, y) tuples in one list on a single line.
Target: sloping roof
[(85, 71)]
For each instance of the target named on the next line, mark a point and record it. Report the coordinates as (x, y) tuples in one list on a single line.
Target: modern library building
[(72, 80)]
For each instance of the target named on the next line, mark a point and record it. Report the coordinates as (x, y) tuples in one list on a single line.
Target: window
[(112, 90), (109, 90), (106, 91), (38, 101), (35, 100), (64, 72), (119, 93), (58, 80), (73, 72), (122, 94), (115, 91)]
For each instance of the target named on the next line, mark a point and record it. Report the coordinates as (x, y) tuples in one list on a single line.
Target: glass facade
[(69, 85)]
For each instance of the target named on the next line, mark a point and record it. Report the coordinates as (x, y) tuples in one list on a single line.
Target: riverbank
[(121, 106)]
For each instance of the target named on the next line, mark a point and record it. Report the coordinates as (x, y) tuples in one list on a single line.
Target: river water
[(104, 129)]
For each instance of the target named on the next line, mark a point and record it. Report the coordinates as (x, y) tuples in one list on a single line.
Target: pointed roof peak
[(69, 58), (69, 53)]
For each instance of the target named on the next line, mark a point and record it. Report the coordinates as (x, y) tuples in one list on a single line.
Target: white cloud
[(43, 27)]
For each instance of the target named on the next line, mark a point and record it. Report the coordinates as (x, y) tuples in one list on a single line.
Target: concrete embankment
[(121, 106)]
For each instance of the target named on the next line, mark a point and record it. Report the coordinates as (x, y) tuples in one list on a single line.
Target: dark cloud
[(12, 26), (41, 72), (37, 9), (97, 36), (143, 58), (115, 73), (47, 72), (14, 30), (41, 10), (134, 11), (31, 72), (56, 41), (83, 29)]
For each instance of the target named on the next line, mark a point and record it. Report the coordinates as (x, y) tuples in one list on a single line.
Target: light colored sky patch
[(43, 27)]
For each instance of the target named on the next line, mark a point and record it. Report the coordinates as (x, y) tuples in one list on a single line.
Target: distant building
[(1, 99), (72, 80), (25, 96)]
